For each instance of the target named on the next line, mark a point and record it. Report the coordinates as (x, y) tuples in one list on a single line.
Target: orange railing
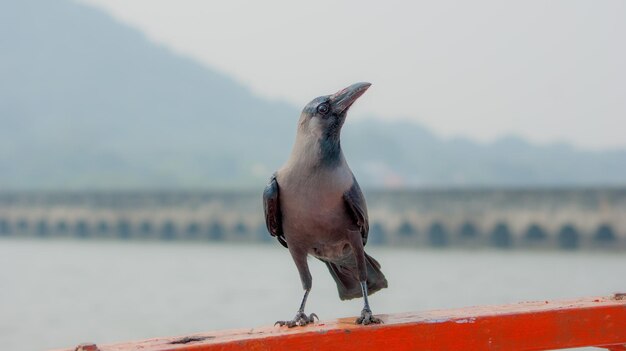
[(537, 325)]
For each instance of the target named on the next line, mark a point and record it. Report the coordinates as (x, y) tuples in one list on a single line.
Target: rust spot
[(347, 331), (87, 347), (619, 296), (190, 339)]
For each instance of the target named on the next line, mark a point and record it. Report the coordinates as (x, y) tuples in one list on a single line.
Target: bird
[(314, 206)]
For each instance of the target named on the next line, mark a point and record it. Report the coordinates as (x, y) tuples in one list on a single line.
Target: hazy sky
[(547, 70)]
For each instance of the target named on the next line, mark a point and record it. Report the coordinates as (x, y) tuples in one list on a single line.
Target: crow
[(314, 206)]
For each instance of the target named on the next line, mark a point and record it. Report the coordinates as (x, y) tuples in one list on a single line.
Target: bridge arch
[(22, 225), (82, 229), (5, 226), (42, 228), (407, 230), (535, 234), (376, 235), (146, 229), (103, 228), (168, 230), (62, 227), (468, 231), (240, 229), (437, 235), (123, 229), (568, 237), (216, 231), (501, 236), (193, 230), (604, 234), (262, 233)]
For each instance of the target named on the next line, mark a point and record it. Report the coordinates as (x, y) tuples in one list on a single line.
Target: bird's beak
[(343, 99)]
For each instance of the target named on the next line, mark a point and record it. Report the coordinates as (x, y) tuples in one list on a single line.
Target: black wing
[(355, 202), (271, 206)]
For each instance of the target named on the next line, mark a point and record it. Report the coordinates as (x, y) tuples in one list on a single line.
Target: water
[(61, 293)]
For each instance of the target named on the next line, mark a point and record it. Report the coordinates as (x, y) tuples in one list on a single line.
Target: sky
[(549, 71)]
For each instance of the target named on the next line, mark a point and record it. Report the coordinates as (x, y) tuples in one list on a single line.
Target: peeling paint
[(191, 339)]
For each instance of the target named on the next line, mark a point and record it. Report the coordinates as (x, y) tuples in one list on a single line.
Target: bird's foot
[(368, 318), (299, 320)]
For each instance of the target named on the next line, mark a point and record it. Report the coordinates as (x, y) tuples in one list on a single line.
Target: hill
[(88, 102)]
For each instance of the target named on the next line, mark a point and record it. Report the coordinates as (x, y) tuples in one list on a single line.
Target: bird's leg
[(366, 314), (301, 318)]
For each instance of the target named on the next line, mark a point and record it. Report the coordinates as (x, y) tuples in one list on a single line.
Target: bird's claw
[(368, 318), (299, 320)]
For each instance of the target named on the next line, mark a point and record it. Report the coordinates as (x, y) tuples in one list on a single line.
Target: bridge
[(565, 219)]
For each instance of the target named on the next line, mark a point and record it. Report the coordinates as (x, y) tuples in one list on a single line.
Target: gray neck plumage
[(330, 147)]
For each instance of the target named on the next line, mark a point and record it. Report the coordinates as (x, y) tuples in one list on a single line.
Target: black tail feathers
[(346, 277)]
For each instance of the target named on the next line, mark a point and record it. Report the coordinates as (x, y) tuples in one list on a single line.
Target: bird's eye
[(323, 108)]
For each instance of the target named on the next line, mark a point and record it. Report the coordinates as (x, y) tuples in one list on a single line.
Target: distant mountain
[(404, 153), (88, 102)]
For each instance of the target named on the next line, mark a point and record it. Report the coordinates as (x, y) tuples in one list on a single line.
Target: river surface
[(59, 293)]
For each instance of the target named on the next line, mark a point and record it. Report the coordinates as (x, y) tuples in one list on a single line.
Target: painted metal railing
[(537, 325)]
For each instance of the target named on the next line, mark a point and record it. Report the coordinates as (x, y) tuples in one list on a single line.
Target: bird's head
[(324, 116), (320, 125)]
